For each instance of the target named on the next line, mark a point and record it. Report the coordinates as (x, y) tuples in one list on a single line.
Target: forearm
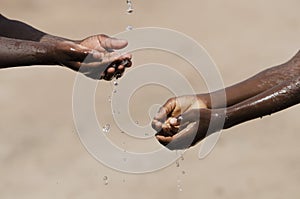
[(254, 85), (15, 52), (18, 30), (271, 101)]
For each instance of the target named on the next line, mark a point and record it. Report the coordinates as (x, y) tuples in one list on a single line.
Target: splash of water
[(130, 7), (105, 180), (106, 128), (129, 11)]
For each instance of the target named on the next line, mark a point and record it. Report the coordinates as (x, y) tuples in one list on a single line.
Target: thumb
[(114, 43)]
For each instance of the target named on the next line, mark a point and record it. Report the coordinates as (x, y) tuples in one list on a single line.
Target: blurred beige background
[(41, 155)]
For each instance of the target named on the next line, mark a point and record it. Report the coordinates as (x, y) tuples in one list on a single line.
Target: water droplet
[(177, 163), (183, 172), (179, 185), (114, 91), (106, 128), (105, 180), (124, 180), (137, 122), (109, 98), (182, 158), (116, 83), (129, 28), (130, 8)]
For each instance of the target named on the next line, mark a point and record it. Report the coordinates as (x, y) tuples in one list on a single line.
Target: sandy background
[(41, 155)]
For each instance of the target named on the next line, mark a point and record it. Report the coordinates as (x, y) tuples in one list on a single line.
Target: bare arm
[(268, 92), (95, 56), (278, 98), (200, 123), (18, 30), (256, 84), (15, 52)]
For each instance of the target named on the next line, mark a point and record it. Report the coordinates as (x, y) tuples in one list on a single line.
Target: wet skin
[(269, 91), (95, 56)]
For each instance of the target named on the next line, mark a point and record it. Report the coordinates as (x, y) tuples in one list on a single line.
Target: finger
[(167, 126), (111, 71), (113, 64), (163, 140), (109, 74), (120, 70), (126, 61), (112, 43), (177, 124), (128, 64), (175, 121), (161, 115), (165, 110), (184, 139), (156, 125), (126, 56), (160, 118), (166, 131), (97, 72)]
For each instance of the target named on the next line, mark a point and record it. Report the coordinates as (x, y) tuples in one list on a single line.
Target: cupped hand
[(184, 121), (94, 56)]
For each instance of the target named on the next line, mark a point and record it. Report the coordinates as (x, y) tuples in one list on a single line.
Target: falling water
[(106, 128), (129, 11)]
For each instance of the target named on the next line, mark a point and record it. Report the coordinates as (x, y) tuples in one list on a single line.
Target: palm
[(95, 56), (94, 43)]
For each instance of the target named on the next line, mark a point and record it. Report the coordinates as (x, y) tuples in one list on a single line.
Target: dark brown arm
[(278, 98), (255, 85)]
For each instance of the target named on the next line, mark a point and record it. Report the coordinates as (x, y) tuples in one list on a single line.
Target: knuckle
[(171, 100)]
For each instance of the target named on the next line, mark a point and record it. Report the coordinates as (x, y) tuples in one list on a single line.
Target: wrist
[(230, 117), (295, 61), (218, 119), (46, 54), (67, 53), (51, 39), (204, 99)]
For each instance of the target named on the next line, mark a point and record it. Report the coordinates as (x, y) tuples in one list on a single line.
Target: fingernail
[(173, 121), (124, 62)]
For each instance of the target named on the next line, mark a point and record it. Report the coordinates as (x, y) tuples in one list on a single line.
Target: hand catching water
[(183, 121), (95, 56)]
